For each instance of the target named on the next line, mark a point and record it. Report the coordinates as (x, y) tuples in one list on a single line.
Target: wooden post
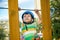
[(13, 19), (46, 21)]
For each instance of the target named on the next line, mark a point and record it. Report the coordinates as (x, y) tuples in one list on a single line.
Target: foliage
[(2, 34), (56, 18)]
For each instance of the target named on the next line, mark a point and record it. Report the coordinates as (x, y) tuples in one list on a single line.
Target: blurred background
[(30, 4)]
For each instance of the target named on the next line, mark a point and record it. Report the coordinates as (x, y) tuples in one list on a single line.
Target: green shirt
[(31, 29)]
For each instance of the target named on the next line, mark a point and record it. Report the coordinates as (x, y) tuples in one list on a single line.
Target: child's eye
[(28, 16), (24, 15)]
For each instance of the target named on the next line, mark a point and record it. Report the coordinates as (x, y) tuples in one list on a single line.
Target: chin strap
[(26, 27)]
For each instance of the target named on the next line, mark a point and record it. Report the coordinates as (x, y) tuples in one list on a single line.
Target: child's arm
[(39, 16)]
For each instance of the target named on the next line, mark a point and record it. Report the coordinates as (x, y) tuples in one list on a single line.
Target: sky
[(24, 4)]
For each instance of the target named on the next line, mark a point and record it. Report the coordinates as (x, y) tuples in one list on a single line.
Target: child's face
[(27, 18)]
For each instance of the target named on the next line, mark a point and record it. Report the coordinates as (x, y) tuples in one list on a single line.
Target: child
[(30, 25)]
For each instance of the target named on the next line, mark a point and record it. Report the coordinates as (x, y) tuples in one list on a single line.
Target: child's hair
[(28, 12)]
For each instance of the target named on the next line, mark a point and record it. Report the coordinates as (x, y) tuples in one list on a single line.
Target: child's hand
[(36, 11), (19, 9)]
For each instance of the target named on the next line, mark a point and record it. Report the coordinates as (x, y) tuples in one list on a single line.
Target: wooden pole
[(13, 19), (46, 21)]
